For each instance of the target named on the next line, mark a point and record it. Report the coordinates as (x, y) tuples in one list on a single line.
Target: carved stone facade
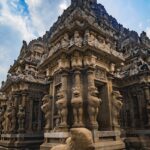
[(88, 71)]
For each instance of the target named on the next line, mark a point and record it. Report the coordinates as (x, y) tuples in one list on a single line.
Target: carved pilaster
[(116, 108), (93, 101), (30, 115), (16, 96), (24, 95), (77, 101), (21, 119), (61, 103), (46, 108), (147, 97)]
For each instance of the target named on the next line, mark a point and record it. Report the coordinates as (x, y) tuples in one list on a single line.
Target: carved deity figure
[(89, 38), (96, 43), (1, 118), (77, 39), (46, 108), (9, 124), (61, 104), (112, 68), (116, 108), (89, 61), (77, 104), (65, 41), (93, 105), (101, 43), (21, 118), (76, 60), (64, 62), (134, 69)]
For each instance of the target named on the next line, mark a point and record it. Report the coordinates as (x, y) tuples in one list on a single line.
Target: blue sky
[(29, 19)]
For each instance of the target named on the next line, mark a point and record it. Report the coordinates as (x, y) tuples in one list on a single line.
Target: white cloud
[(63, 6), (16, 22), (17, 27)]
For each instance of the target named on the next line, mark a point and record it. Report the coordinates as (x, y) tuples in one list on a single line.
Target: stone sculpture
[(93, 105), (46, 108), (77, 39), (76, 60), (77, 104), (21, 119), (116, 108), (61, 104), (80, 139), (8, 117), (65, 41), (89, 38), (63, 63)]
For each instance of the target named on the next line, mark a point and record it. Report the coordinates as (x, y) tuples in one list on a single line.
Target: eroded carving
[(46, 108), (9, 123), (77, 104), (76, 60), (77, 39), (61, 104), (65, 41), (116, 108), (21, 119), (77, 101), (81, 139), (93, 105)]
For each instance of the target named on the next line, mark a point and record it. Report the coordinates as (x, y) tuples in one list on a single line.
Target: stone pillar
[(139, 97), (77, 100), (93, 100), (24, 95), (30, 115), (16, 100), (39, 117), (91, 77), (147, 97), (46, 108), (116, 109), (61, 103), (109, 90)]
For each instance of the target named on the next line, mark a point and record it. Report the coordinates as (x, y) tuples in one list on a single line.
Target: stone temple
[(86, 72)]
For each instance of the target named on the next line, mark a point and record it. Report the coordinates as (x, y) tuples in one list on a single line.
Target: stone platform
[(138, 139), (104, 140), (21, 141)]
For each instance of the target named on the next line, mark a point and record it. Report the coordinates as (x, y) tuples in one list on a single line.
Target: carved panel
[(57, 78), (100, 74)]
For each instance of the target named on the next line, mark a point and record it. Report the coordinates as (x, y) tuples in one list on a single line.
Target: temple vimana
[(85, 85)]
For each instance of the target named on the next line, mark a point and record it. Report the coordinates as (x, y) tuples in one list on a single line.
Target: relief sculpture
[(46, 108)]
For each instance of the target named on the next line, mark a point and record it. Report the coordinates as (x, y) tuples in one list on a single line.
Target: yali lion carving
[(77, 104), (61, 104), (46, 108), (93, 105), (116, 108)]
